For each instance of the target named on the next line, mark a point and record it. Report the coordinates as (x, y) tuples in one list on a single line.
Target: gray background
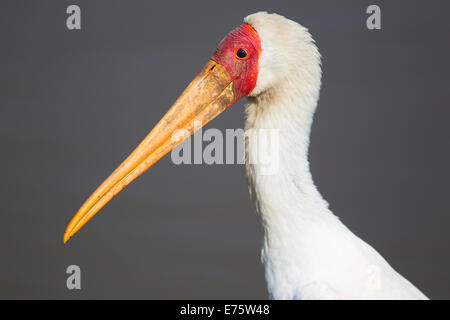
[(73, 104)]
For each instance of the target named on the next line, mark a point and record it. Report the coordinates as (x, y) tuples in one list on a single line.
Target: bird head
[(251, 59)]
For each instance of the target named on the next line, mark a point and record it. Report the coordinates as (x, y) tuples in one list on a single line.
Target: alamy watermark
[(373, 22), (228, 148), (73, 281), (73, 21)]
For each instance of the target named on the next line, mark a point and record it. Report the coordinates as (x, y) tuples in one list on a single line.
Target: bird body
[(307, 252)]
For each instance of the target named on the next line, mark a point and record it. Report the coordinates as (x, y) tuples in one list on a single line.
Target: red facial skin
[(243, 71)]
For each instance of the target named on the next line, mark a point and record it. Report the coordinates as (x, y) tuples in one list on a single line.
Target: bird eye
[(241, 53)]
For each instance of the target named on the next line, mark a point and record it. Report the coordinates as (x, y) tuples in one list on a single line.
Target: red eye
[(241, 54)]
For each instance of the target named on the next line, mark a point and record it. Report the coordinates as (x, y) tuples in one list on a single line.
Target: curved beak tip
[(66, 237)]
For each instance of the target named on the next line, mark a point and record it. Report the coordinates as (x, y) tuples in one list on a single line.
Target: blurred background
[(73, 104)]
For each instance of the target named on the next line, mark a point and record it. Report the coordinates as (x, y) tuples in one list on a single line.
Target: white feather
[(307, 252)]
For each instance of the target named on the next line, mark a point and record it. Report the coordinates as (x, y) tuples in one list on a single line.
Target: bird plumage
[(307, 252)]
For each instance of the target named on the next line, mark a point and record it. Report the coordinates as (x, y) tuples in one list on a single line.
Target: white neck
[(288, 203), (289, 109)]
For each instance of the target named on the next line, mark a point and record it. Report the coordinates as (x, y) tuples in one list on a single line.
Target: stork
[(308, 253)]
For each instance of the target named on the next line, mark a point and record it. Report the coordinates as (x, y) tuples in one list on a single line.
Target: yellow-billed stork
[(308, 253)]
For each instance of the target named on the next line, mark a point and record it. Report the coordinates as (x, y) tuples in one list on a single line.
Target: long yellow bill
[(210, 93)]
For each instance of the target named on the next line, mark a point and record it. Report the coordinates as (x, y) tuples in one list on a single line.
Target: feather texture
[(307, 252)]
